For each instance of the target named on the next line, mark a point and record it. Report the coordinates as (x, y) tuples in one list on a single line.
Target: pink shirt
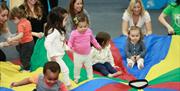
[(81, 42)]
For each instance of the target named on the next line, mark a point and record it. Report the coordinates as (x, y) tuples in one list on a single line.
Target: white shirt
[(141, 22), (102, 56), (54, 44)]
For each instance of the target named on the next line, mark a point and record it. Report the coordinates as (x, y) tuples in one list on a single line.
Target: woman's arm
[(148, 24), (125, 27), (165, 23), (16, 38), (148, 28), (4, 44)]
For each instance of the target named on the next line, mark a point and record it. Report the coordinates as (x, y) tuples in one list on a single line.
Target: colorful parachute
[(162, 68)]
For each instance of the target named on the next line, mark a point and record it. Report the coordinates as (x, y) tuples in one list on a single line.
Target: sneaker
[(141, 67), (130, 65), (69, 86), (76, 81), (21, 68)]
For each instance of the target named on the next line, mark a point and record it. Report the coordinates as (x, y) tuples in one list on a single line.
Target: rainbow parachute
[(162, 68)]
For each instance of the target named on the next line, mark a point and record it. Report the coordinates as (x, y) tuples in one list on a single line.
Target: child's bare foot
[(130, 65), (110, 75), (117, 73), (25, 71)]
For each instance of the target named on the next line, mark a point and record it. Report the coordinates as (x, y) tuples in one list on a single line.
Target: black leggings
[(25, 51), (2, 56)]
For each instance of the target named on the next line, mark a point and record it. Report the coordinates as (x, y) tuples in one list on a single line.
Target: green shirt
[(173, 10)]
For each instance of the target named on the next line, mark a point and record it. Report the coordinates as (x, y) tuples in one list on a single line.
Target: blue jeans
[(105, 68)]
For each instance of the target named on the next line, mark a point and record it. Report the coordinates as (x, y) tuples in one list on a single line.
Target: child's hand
[(133, 58), (40, 34), (99, 49), (116, 67), (71, 50), (137, 57), (54, 58), (13, 84), (4, 44)]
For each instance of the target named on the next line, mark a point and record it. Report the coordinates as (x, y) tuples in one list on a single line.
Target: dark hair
[(102, 38), (55, 20), (136, 28), (52, 66), (17, 12), (71, 8), (3, 6), (177, 2), (80, 18)]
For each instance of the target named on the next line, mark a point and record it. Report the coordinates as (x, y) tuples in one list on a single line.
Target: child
[(80, 42), (48, 81), (23, 36), (75, 7), (55, 39), (135, 48), (103, 61)]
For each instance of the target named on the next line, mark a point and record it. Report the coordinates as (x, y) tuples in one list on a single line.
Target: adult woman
[(34, 13), (48, 5), (75, 7), (4, 30), (136, 15), (172, 10)]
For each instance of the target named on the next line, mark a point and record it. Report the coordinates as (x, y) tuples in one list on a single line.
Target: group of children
[(97, 57)]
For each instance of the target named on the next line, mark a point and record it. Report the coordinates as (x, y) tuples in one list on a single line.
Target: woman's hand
[(170, 30), (11, 42)]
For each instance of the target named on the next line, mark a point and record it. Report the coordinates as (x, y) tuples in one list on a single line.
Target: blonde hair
[(132, 4)]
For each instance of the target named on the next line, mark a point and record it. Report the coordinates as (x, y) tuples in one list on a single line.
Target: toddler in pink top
[(80, 42)]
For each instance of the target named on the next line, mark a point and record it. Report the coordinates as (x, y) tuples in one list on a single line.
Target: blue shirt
[(135, 49)]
